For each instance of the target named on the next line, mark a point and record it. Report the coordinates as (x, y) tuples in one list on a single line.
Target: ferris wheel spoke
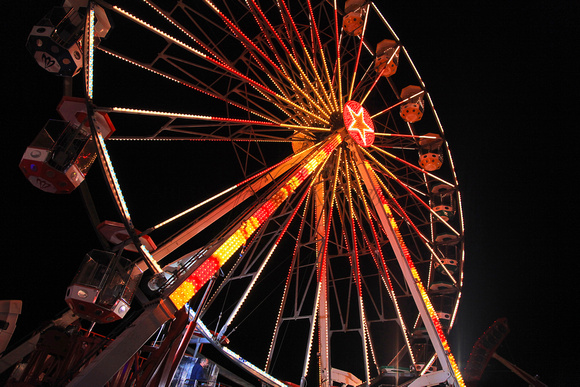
[(192, 16), (399, 103), (378, 76), (320, 101), (261, 54), (328, 106), (245, 189), (358, 53), (198, 86), (322, 56), (273, 242), (218, 122), (259, 86)]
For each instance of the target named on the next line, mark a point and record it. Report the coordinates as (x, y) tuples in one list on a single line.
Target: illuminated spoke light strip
[(417, 280), (182, 82), (360, 45), (90, 51), (240, 184), (304, 78), (313, 67), (256, 276), (378, 77), (227, 68), (322, 55), (384, 272), (397, 104), (238, 32), (287, 284), (155, 113), (355, 264), (411, 165), (160, 33), (183, 30), (188, 288), (236, 121)]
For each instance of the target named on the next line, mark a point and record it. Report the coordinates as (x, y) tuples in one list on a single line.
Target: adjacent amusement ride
[(300, 207)]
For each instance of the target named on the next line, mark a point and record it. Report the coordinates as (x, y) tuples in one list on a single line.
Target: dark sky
[(503, 80)]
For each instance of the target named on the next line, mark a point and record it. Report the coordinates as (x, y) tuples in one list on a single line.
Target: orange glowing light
[(202, 274)]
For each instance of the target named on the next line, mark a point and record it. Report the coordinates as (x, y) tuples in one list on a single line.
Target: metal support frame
[(399, 249), (100, 370)]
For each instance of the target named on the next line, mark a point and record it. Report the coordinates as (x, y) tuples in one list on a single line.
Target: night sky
[(504, 83)]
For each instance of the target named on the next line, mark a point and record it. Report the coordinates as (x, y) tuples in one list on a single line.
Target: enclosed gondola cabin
[(353, 20), (414, 106), (447, 245), (60, 156), (104, 287), (444, 305), (55, 41), (430, 154), (387, 59), (443, 202)]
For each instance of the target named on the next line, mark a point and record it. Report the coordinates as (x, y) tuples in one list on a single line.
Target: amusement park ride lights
[(370, 191)]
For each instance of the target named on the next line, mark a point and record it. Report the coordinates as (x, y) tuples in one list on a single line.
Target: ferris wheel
[(288, 162)]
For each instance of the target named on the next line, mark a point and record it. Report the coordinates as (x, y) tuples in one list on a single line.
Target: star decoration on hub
[(359, 124)]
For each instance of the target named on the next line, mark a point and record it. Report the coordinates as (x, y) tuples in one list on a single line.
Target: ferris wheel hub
[(359, 123)]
